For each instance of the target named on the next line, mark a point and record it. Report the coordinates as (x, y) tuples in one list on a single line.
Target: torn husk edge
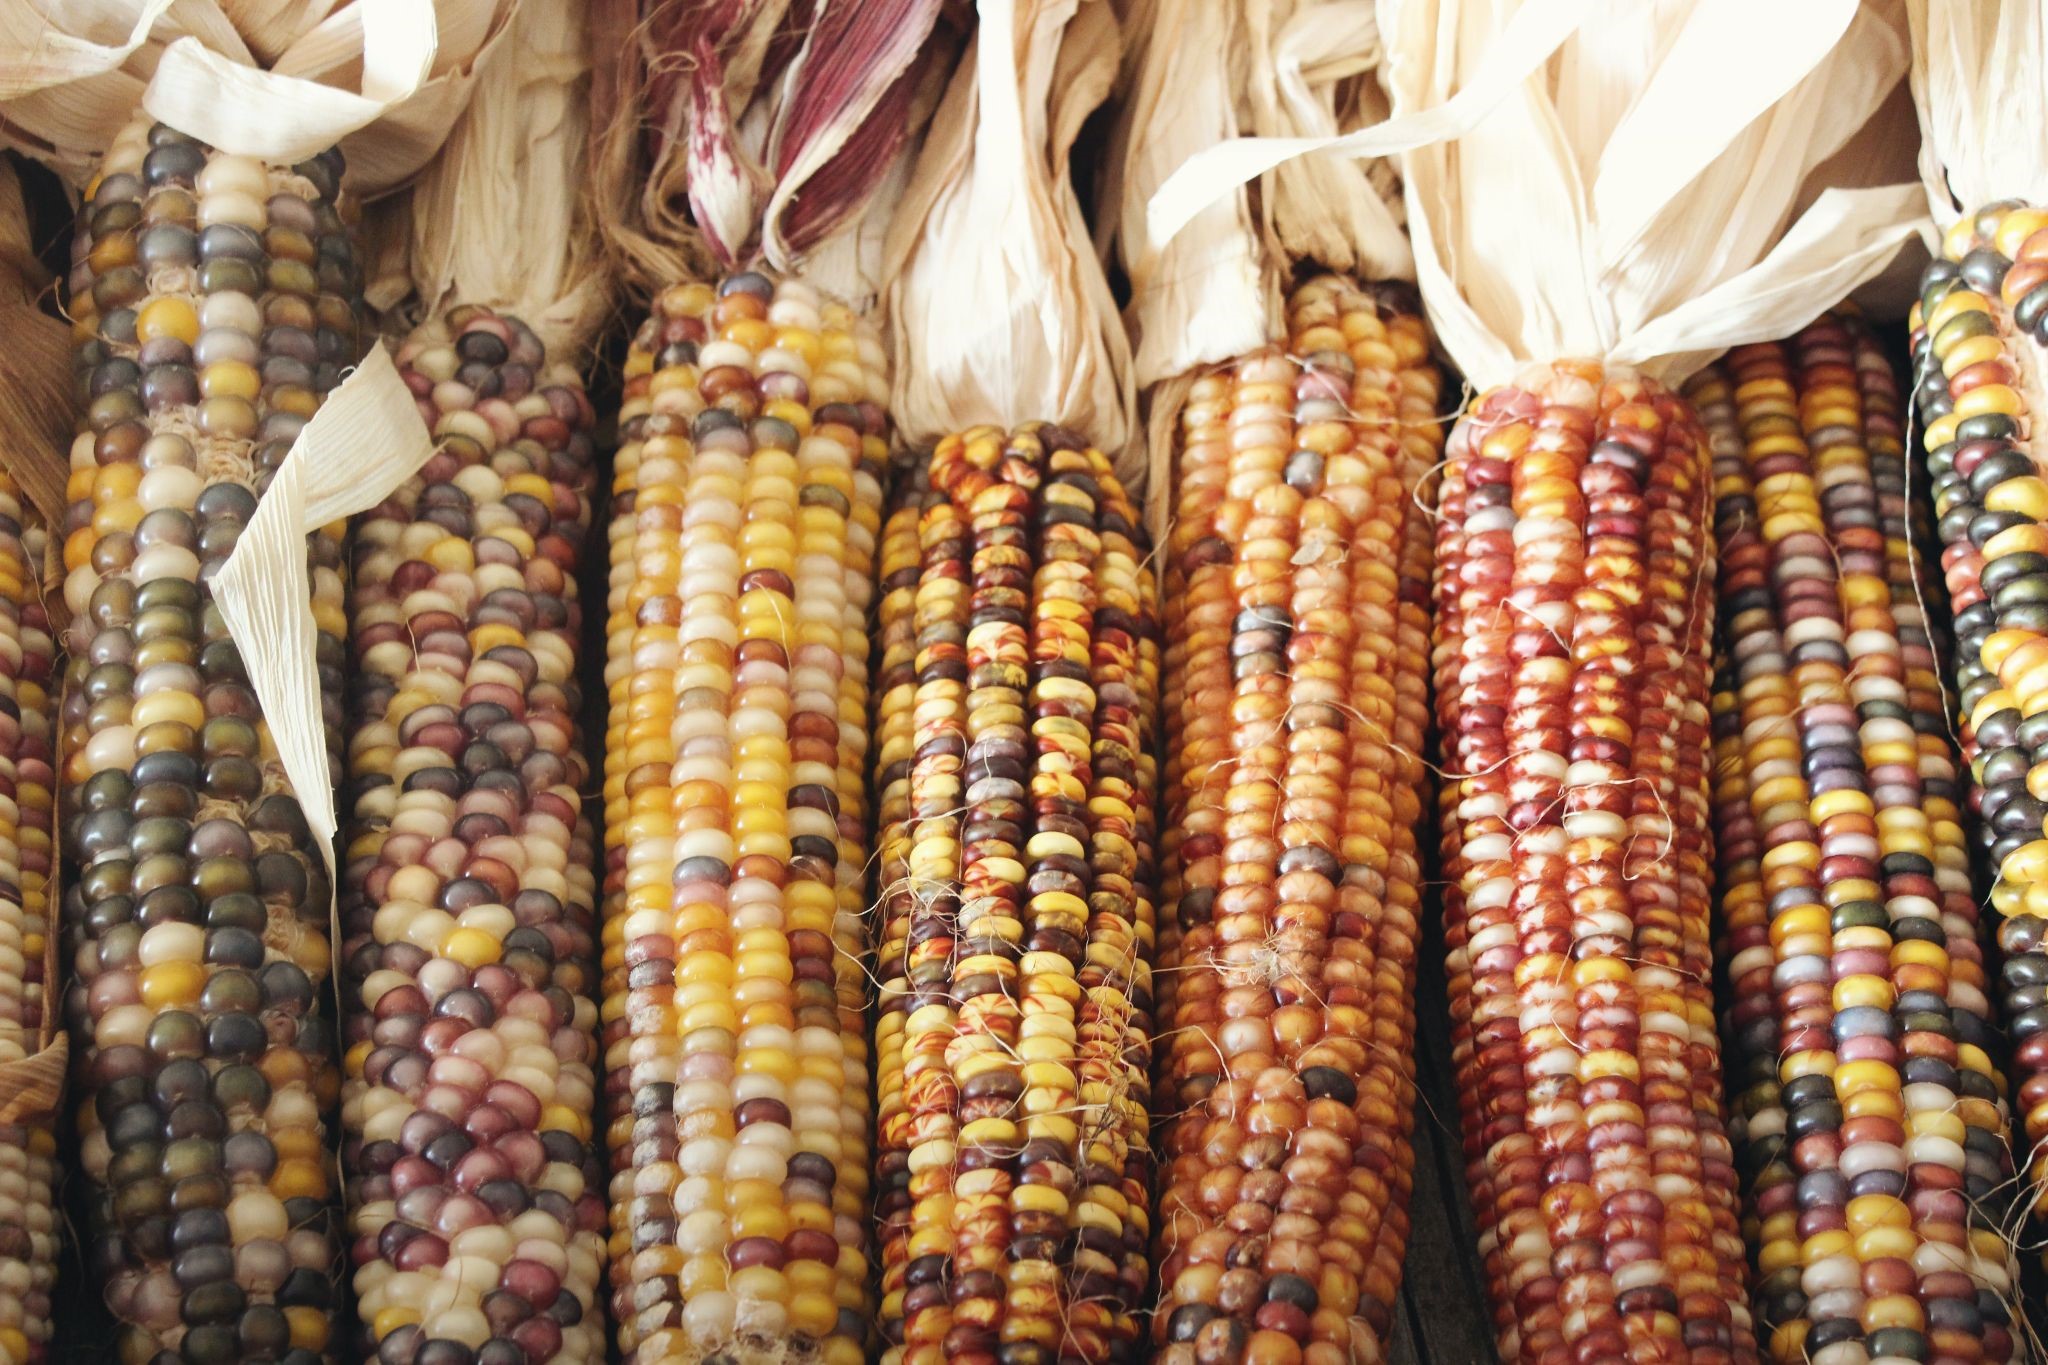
[(383, 78), (1000, 310), (1209, 72), (498, 218)]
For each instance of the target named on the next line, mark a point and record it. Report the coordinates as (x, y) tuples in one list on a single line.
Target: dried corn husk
[(1586, 178), (1207, 72), (35, 366), (1000, 311), (1983, 103), (499, 217), (731, 127), (365, 440), (384, 78), (1632, 201)]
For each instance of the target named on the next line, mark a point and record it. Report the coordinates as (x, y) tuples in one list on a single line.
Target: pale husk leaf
[(498, 218), (366, 439), (1615, 181), (1630, 201), (1212, 71), (1000, 310), (384, 78), (1982, 98)]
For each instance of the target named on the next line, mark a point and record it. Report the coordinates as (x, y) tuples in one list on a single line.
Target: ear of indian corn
[(747, 506), (215, 301), (1297, 675), (1574, 614), (1977, 339), (28, 781), (1871, 1117), (469, 892), (1016, 996)]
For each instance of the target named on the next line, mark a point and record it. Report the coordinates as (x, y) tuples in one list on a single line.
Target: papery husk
[(734, 129), (1982, 99), (281, 81), (1000, 310), (499, 217), (1632, 202), (35, 369), (366, 439), (1616, 182), (1208, 72), (1884, 151)]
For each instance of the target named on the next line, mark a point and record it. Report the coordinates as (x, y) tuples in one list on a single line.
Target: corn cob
[(215, 300), (28, 1148), (747, 504), (1016, 1003), (1976, 338), (1574, 613), (1288, 1084), (468, 905), (1854, 961)]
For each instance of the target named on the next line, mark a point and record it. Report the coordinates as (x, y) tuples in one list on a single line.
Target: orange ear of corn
[(1296, 703)]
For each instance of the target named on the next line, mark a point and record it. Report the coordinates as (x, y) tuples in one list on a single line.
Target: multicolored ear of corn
[(1575, 613), (1870, 1123), (1977, 339), (1296, 709), (28, 782), (1014, 1170), (215, 301), (469, 895), (747, 501)]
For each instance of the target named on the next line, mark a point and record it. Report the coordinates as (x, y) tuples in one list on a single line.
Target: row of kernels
[(894, 699), (27, 774), (1987, 498), (642, 958), (1473, 572), (28, 1169)]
